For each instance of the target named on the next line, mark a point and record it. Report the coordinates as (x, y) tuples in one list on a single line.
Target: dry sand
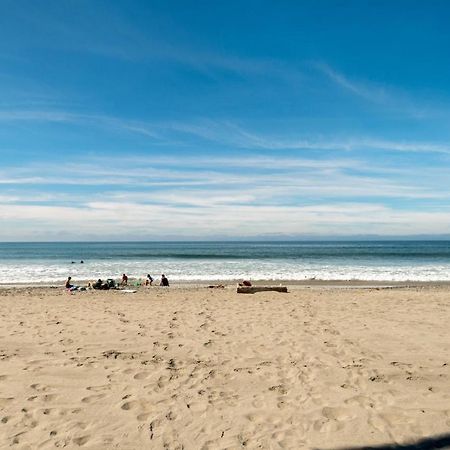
[(196, 368)]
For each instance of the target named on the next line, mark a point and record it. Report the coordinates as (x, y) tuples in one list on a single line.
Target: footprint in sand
[(338, 414), (81, 440), (62, 443), (28, 421), (327, 426), (93, 398), (142, 417), (103, 387), (141, 375), (255, 417), (258, 403), (39, 387), (127, 406), (361, 401)]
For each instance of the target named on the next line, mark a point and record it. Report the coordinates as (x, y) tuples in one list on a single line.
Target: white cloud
[(372, 92), (108, 219), (194, 181)]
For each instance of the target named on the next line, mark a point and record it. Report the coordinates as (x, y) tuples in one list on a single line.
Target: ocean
[(201, 261)]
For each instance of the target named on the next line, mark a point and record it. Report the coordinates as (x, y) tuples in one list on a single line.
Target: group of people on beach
[(148, 280), (111, 283)]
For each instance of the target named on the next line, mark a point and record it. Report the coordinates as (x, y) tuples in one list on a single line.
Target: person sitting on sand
[(100, 285), (148, 280), (124, 280), (164, 281), (69, 285)]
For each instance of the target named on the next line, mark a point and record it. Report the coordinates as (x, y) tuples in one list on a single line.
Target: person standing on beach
[(148, 280), (124, 280), (164, 281)]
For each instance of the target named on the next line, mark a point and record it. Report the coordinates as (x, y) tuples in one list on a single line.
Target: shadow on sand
[(430, 443)]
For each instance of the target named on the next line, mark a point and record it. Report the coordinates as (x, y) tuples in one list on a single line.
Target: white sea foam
[(210, 269)]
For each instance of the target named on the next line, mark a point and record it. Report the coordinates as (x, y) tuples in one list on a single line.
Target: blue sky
[(222, 120)]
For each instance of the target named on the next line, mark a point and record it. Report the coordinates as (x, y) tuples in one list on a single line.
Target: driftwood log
[(253, 289)]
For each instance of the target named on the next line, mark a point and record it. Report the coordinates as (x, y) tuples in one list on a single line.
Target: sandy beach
[(197, 368)]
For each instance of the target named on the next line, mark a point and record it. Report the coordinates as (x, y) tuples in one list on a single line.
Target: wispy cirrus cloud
[(390, 97), (369, 91), (192, 180), (117, 38), (222, 132)]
